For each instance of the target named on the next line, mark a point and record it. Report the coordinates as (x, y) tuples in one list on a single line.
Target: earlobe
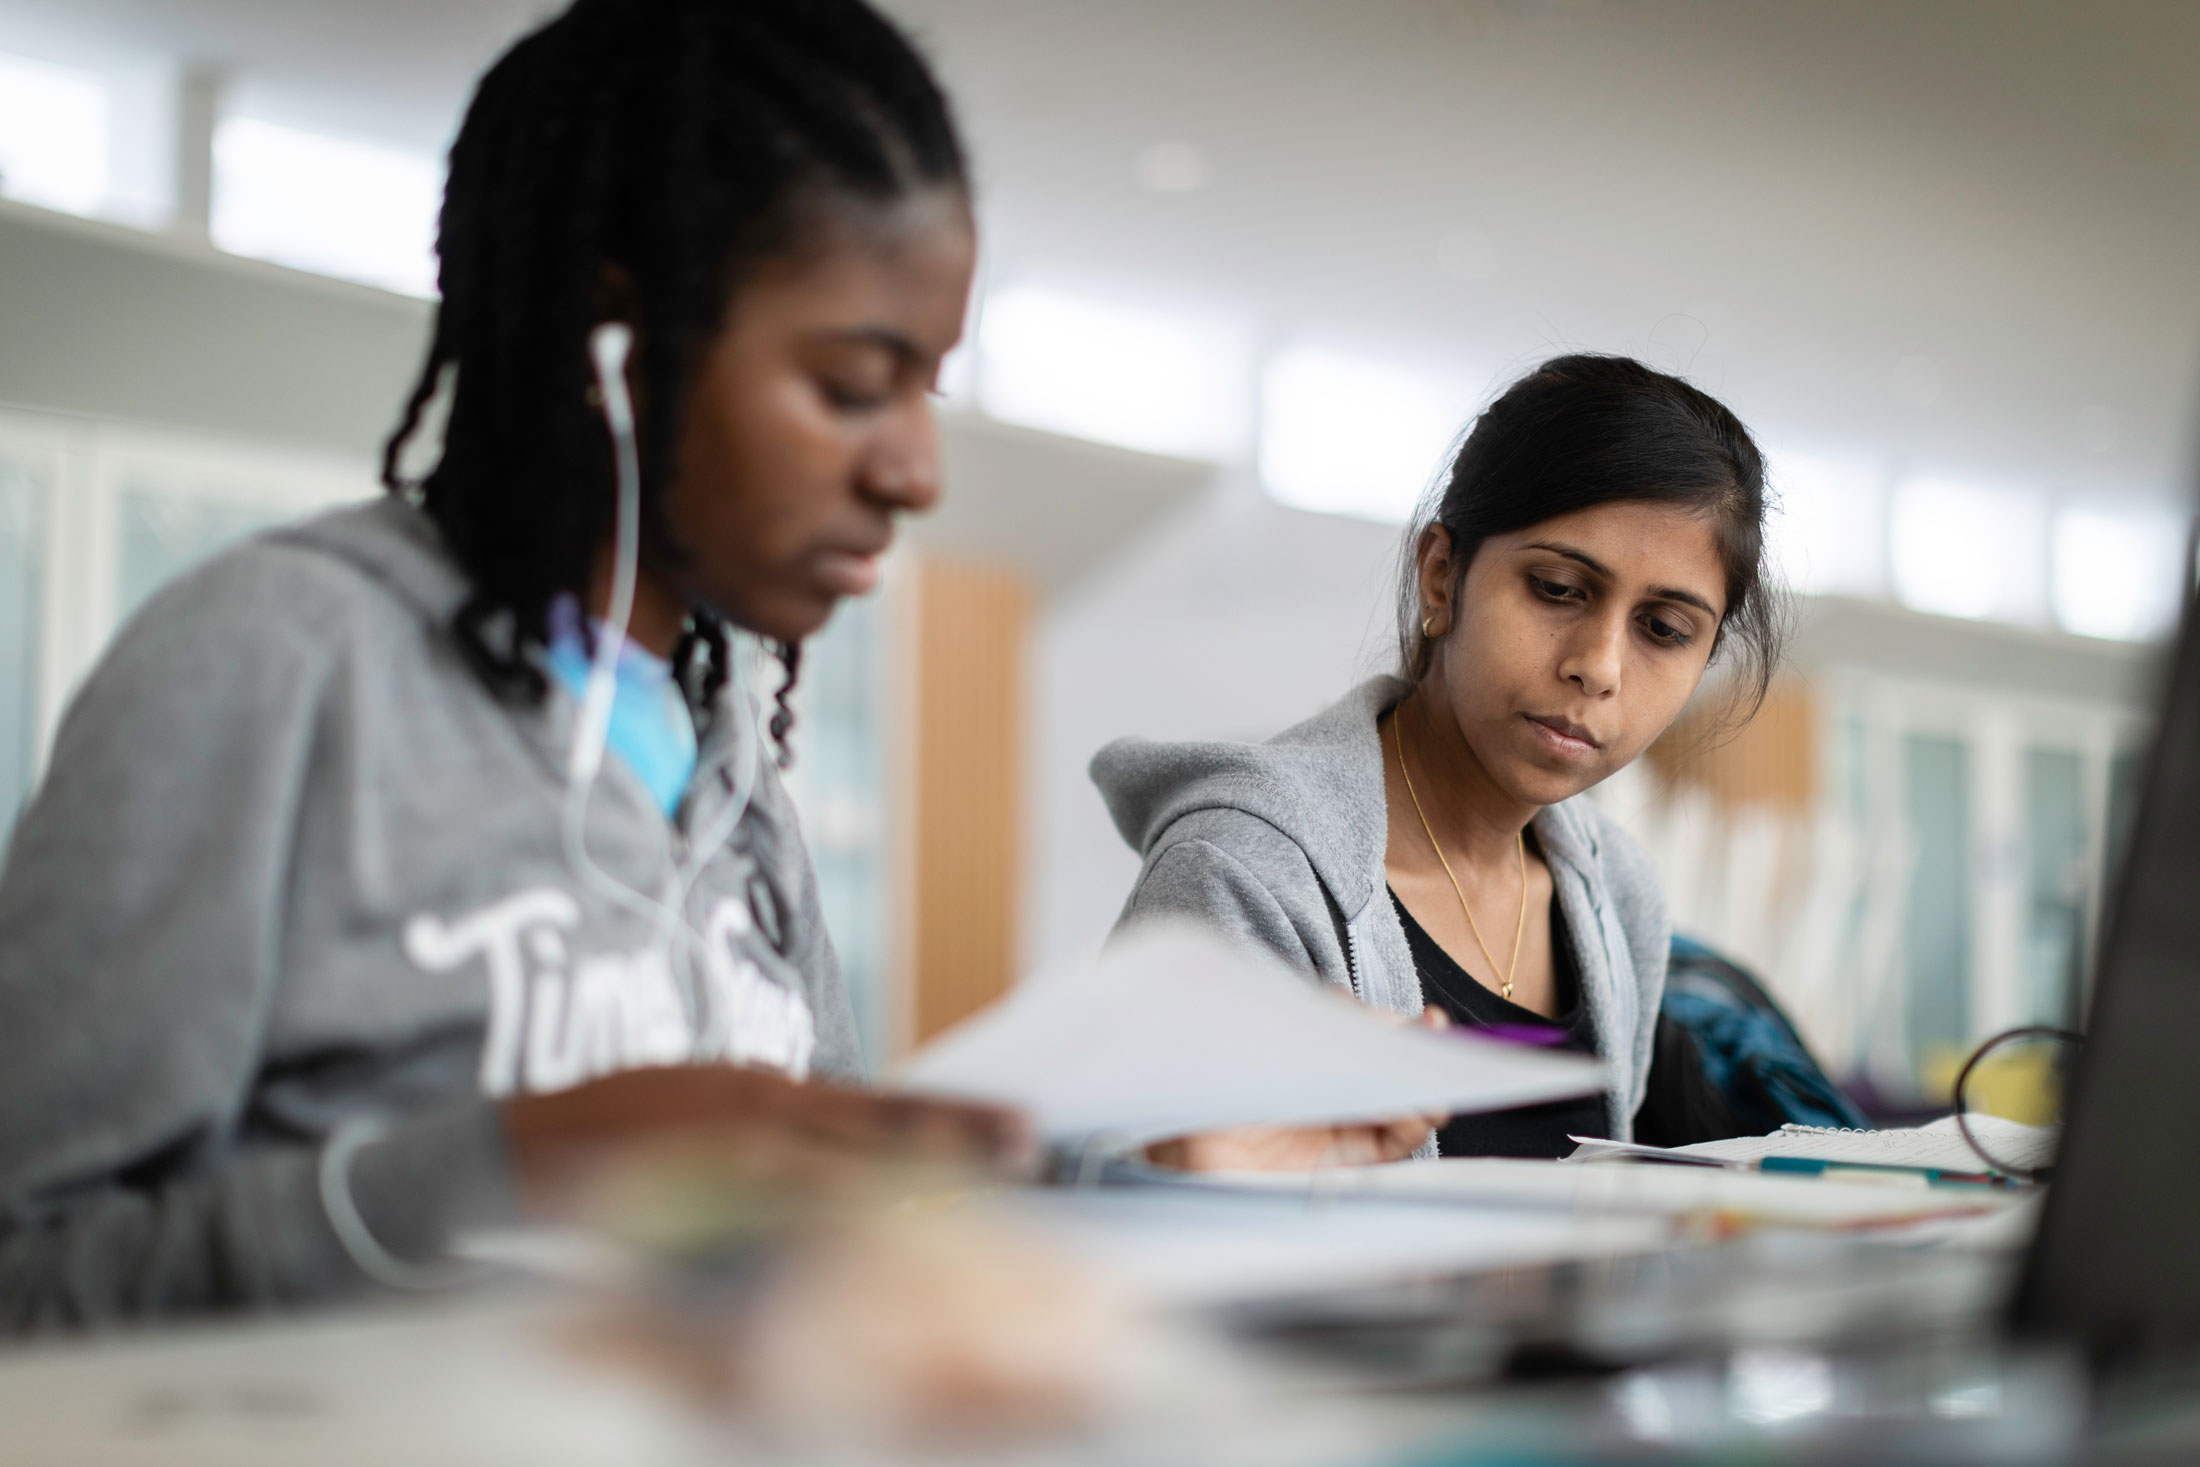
[(1433, 560)]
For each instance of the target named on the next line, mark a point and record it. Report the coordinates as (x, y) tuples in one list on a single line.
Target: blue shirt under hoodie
[(650, 728)]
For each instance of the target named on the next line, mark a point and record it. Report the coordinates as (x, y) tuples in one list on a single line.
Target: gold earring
[(1428, 625)]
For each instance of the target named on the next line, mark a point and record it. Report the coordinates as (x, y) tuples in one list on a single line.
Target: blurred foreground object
[(765, 1129), (806, 1289), (922, 1324)]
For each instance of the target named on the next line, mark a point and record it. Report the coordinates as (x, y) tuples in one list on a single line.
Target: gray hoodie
[(1282, 844), (293, 864)]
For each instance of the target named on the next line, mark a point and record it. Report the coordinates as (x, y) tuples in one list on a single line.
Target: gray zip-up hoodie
[(293, 863), (1282, 844)]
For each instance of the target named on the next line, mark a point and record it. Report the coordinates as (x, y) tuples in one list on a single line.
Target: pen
[(1922, 1176)]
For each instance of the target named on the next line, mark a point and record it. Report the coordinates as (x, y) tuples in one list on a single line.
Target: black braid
[(790, 662), (687, 141), (702, 658), (416, 403)]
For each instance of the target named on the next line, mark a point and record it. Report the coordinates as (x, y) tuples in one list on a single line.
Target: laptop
[(2115, 1267)]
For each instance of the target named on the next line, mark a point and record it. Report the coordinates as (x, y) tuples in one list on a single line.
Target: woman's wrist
[(756, 1118)]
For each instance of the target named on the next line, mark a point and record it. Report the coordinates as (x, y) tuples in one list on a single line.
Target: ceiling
[(1956, 238)]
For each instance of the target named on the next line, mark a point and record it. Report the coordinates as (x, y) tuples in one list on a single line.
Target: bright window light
[(1344, 436), (2117, 576), (1964, 550), (323, 204), (1829, 533), (53, 136), (1133, 379)]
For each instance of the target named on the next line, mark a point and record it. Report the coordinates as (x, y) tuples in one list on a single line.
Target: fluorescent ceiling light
[(1965, 550), (2117, 576), (1341, 435), (1828, 530), (327, 205), (53, 136), (1135, 379)]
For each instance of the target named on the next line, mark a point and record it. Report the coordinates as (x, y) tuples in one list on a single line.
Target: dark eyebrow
[(1604, 572)]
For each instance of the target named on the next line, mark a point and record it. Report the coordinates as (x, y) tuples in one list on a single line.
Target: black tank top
[(1530, 1130)]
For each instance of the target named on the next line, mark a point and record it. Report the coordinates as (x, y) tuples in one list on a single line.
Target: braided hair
[(687, 142)]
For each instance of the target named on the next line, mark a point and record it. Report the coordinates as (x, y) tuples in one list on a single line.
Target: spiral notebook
[(1939, 1145)]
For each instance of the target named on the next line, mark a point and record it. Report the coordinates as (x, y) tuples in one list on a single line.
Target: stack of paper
[(1546, 1189), (1171, 1031), (1939, 1146)]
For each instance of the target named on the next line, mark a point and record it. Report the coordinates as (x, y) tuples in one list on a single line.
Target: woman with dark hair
[(1424, 844), (393, 865)]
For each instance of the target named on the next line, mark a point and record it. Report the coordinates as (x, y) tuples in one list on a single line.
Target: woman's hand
[(758, 1120), (1303, 1148), (1294, 1148)]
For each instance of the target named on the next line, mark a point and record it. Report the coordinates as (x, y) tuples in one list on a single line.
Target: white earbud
[(608, 346)]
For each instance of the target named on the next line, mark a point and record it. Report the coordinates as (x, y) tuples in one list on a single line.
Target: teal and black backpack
[(1751, 1054)]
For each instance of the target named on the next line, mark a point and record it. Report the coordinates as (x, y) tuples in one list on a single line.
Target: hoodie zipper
[(1352, 961)]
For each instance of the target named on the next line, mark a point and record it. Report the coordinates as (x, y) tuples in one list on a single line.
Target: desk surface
[(1380, 1360)]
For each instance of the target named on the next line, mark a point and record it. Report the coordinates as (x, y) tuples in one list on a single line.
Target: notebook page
[(1937, 1145)]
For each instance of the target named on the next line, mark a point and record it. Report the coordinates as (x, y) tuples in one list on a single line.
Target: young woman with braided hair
[(320, 941)]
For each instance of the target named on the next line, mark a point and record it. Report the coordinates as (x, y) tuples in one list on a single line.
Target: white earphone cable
[(609, 345)]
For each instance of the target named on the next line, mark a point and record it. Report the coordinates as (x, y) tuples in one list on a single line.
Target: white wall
[(123, 325), (1233, 619)]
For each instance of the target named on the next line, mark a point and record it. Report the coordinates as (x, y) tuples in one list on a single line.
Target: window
[(838, 784), (1968, 551), (1829, 536), (325, 204), (1153, 382), (53, 136), (94, 518), (1344, 436), (1936, 924), (2057, 881), (164, 535), (2117, 576)]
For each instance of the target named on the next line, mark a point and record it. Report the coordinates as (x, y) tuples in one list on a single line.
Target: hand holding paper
[(1171, 1031)]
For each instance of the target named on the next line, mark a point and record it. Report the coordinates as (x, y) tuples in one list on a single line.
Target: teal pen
[(1926, 1176)]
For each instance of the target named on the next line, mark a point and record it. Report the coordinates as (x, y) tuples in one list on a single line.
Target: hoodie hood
[(1319, 782)]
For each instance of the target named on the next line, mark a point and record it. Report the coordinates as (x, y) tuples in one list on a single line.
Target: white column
[(198, 113), (141, 143)]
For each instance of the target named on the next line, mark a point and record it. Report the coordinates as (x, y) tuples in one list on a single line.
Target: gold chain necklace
[(1520, 846)]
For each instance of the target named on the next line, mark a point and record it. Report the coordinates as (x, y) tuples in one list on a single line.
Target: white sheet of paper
[(1171, 1030), (1184, 1247), (1937, 1145), (1554, 1188)]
